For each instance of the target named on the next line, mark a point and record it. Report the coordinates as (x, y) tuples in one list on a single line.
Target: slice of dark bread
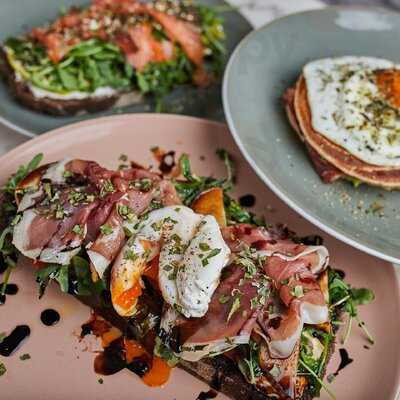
[(220, 373), (23, 94)]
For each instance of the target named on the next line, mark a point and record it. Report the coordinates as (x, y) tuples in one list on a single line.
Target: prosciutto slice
[(70, 200), (108, 244), (228, 322), (293, 269)]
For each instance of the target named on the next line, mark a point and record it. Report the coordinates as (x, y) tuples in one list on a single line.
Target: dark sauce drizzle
[(248, 200), (312, 240), (111, 359), (3, 267), (167, 162), (11, 289), (341, 273), (211, 394), (50, 317), (14, 340), (345, 360)]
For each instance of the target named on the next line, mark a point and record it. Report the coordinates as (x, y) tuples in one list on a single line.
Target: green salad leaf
[(193, 185), (89, 65)]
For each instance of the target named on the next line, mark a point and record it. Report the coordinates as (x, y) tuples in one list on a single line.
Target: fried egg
[(355, 103)]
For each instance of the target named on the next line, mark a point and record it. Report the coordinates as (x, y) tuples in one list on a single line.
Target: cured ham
[(65, 205), (228, 322), (109, 242), (293, 269), (146, 48)]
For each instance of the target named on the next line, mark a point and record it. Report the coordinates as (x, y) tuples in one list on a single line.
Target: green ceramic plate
[(261, 68), (18, 16)]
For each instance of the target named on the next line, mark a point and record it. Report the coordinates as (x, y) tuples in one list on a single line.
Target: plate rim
[(60, 130), (264, 176)]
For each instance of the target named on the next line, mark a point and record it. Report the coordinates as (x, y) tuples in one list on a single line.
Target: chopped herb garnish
[(100, 380), (284, 281), (126, 213), (77, 229), (254, 303), (107, 188), (204, 246), (224, 298), (297, 291), (123, 157), (205, 261), (235, 307), (3, 369), (106, 230), (144, 184), (130, 255), (25, 356)]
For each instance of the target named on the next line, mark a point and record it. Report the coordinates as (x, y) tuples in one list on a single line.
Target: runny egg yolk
[(388, 82)]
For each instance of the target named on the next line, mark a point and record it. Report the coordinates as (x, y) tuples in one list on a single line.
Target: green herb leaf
[(106, 230), (362, 296), (214, 252), (57, 272), (224, 298), (77, 229), (3, 369), (24, 357), (163, 351), (235, 307)]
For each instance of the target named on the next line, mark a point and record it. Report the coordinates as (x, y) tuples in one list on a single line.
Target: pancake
[(331, 161)]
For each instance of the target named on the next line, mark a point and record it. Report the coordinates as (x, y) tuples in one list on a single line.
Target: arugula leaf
[(21, 173), (249, 362), (362, 296), (343, 297), (163, 351), (84, 283), (57, 272), (310, 360), (87, 66)]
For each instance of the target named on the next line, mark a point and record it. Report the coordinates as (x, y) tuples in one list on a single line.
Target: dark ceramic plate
[(18, 16)]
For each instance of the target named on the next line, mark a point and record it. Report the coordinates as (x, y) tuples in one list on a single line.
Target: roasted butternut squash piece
[(211, 202)]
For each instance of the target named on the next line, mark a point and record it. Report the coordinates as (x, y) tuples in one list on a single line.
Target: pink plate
[(61, 367)]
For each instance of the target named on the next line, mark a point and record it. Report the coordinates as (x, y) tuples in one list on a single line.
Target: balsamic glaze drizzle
[(14, 340), (345, 360), (50, 317), (248, 200), (211, 394)]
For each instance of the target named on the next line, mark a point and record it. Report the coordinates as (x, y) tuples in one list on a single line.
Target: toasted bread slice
[(58, 107)]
